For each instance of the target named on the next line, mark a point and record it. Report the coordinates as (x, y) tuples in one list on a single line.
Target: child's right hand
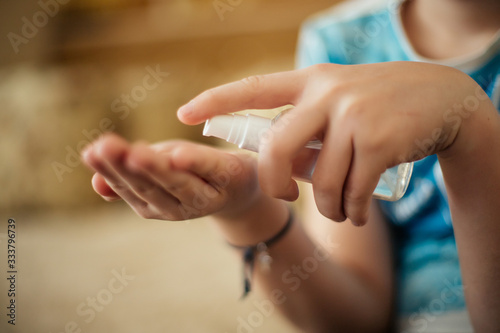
[(370, 117), (173, 180)]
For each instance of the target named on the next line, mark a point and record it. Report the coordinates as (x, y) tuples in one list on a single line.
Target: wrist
[(470, 165), (478, 127), (261, 220), (471, 110)]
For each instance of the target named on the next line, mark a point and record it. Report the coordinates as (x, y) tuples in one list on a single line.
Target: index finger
[(254, 92)]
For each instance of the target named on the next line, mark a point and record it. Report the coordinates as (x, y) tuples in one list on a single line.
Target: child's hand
[(371, 117), (173, 180)]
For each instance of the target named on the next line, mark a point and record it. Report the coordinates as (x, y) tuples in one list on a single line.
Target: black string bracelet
[(260, 250)]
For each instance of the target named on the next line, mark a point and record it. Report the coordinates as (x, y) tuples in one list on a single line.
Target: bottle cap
[(219, 126), (245, 131)]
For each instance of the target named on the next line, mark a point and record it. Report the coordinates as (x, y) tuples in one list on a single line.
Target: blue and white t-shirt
[(430, 295)]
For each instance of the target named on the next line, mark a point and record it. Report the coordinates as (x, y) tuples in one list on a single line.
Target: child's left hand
[(172, 180)]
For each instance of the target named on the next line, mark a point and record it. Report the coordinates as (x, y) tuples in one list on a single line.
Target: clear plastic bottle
[(249, 131)]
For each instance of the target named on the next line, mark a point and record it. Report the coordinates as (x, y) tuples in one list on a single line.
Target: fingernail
[(186, 110)]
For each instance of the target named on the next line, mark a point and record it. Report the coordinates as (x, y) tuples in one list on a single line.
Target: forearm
[(320, 294), (315, 292), (471, 169)]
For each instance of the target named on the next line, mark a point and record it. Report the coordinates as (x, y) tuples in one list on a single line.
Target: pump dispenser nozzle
[(245, 131)]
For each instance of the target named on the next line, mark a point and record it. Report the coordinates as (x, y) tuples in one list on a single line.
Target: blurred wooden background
[(59, 88)]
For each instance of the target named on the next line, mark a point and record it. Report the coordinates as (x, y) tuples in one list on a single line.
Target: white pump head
[(245, 131)]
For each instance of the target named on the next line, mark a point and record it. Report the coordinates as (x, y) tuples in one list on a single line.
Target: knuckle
[(180, 148), (356, 118), (177, 187), (330, 93), (253, 87), (372, 144), (253, 82), (353, 197), (182, 157), (167, 146), (143, 190), (322, 68), (354, 109)]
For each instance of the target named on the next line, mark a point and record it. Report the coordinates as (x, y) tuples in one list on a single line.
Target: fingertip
[(86, 155), (186, 114), (91, 159), (325, 207), (102, 188), (359, 216), (86, 151), (357, 223), (340, 218), (111, 147)]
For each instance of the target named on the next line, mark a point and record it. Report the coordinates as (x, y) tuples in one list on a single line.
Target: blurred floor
[(174, 276)]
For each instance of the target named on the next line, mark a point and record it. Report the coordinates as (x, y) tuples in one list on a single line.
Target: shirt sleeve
[(311, 48)]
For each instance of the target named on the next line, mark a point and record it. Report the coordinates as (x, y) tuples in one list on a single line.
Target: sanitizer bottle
[(249, 131)]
